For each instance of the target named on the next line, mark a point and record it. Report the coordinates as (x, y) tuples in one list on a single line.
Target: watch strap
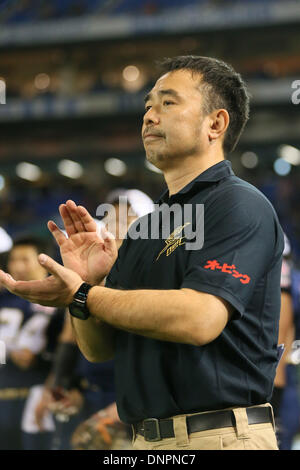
[(82, 293), (78, 307)]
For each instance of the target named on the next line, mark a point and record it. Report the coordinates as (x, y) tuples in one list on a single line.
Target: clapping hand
[(56, 290), (84, 251), (86, 256)]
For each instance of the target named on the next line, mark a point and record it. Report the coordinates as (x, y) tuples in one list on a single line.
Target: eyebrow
[(169, 91)]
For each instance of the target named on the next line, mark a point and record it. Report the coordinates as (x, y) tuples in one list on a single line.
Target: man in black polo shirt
[(193, 326)]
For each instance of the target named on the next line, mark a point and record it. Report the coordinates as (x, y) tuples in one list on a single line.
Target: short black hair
[(36, 242), (222, 87)]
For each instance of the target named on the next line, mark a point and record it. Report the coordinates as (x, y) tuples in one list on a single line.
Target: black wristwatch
[(78, 307)]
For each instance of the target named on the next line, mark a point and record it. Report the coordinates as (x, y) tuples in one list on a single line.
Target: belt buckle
[(151, 430)]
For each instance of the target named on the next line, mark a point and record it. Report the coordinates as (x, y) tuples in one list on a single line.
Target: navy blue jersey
[(24, 325), (97, 381), (296, 300), (99, 374)]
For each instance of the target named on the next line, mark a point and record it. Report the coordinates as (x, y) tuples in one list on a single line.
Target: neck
[(188, 169)]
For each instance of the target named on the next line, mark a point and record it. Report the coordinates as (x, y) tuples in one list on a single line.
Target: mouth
[(152, 137)]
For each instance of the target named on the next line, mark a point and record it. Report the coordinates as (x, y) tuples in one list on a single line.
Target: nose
[(151, 117)]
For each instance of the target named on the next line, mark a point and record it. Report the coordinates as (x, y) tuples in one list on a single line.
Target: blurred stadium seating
[(21, 11)]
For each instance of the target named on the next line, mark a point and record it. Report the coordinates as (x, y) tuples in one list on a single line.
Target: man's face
[(173, 121), (23, 264)]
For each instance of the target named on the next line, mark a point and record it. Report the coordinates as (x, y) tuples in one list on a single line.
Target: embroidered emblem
[(173, 241)]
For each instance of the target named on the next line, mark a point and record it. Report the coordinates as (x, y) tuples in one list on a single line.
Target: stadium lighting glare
[(115, 167), (2, 91), (42, 81), (131, 73), (2, 182), (151, 167), (5, 241), (249, 160), (282, 167), (70, 169), (28, 171), (290, 154)]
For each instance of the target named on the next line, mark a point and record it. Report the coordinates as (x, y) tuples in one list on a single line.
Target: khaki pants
[(240, 437)]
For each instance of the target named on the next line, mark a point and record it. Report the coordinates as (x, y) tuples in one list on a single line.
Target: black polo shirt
[(240, 261)]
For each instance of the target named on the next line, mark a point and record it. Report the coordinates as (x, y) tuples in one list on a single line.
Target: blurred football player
[(289, 411), (28, 331), (286, 334)]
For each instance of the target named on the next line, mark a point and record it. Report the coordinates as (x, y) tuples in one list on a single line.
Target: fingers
[(64, 278), (105, 234), (26, 289), (86, 219), (67, 220), (7, 281), (56, 232), (76, 219), (56, 290), (109, 241), (30, 288), (52, 266), (73, 213)]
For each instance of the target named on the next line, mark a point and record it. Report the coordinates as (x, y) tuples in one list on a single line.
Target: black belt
[(156, 429)]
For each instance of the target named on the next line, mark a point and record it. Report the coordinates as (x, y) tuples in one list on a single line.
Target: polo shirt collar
[(212, 175)]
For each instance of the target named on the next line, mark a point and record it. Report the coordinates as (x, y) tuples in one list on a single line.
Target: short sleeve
[(242, 239)]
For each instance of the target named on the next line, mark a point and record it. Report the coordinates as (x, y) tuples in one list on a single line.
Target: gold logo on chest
[(173, 241)]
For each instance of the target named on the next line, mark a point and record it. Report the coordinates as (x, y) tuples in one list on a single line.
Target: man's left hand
[(56, 290)]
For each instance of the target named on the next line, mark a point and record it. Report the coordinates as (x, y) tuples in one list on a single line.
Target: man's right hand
[(84, 251)]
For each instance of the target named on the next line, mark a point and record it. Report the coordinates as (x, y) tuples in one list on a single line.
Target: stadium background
[(74, 74)]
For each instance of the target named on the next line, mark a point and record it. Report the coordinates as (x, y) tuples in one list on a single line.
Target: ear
[(218, 124)]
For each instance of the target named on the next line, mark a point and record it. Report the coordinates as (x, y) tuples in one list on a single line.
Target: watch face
[(78, 307), (78, 312)]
